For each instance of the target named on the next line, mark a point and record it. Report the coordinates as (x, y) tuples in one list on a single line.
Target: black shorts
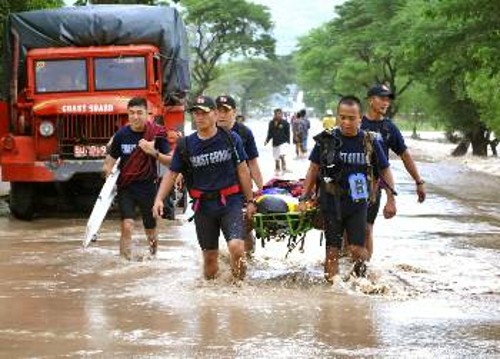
[(128, 200), (353, 222), (374, 208), (208, 227)]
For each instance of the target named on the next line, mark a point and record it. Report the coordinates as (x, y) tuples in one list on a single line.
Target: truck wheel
[(21, 201)]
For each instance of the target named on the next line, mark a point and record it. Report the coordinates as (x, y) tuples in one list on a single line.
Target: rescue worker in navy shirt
[(226, 119), (213, 163), (375, 120), (139, 145), (343, 161)]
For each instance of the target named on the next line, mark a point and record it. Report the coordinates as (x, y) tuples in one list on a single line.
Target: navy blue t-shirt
[(248, 139), (124, 143), (389, 133), (214, 167), (352, 156)]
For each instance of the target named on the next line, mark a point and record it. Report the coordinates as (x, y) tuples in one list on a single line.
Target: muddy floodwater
[(433, 286)]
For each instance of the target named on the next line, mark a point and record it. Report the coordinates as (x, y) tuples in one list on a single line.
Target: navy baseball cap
[(203, 103), (381, 90), (226, 101)]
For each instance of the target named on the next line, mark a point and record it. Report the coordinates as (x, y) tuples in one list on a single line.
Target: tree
[(220, 28), (8, 6), (352, 52), (317, 61), (123, 2), (253, 80), (452, 46), (449, 46)]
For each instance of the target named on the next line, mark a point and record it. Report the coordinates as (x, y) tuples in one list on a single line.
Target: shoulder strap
[(368, 138), (182, 147), (371, 161), (230, 142), (329, 152)]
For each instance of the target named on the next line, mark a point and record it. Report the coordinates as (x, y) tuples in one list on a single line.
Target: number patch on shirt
[(358, 187)]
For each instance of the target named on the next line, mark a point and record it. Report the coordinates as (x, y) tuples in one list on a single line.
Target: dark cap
[(381, 90), (203, 103), (226, 101)]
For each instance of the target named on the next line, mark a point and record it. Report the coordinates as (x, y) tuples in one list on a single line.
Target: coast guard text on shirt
[(356, 158), (206, 159), (128, 148)]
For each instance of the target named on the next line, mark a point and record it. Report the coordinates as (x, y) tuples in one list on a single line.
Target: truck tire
[(21, 201)]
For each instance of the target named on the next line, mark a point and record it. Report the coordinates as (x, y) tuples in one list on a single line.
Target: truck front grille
[(83, 136)]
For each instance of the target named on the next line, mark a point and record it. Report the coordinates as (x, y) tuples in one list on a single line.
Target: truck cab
[(74, 101), (68, 74)]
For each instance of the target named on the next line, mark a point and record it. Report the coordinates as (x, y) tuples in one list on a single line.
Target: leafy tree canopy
[(450, 47), (8, 6), (222, 28)]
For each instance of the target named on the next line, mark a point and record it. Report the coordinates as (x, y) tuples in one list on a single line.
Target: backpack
[(333, 145)]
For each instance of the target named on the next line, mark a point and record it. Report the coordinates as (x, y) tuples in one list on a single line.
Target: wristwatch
[(420, 182)]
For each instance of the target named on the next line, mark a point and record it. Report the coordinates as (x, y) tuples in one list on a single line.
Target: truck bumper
[(19, 164), (48, 171)]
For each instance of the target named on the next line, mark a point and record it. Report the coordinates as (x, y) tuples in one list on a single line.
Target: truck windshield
[(60, 75), (120, 73)]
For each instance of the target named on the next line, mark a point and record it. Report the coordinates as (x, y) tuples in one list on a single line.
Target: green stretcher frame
[(290, 226)]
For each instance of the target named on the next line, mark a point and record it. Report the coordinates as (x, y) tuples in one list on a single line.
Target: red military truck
[(68, 75)]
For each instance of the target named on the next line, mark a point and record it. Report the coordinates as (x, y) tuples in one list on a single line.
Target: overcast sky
[(294, 18)]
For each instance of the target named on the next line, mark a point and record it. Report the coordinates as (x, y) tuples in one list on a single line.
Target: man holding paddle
[(139, 145)]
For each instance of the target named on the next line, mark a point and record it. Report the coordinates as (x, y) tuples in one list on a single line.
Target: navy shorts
[(353, 222), (128, 200), (208, 227), (374, 208)]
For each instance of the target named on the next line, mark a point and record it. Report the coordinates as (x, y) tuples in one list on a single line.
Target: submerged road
[(433, 286)]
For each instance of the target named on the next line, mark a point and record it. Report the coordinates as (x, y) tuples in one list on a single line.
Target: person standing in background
[(307, 126), (279, 133), (298, 132)]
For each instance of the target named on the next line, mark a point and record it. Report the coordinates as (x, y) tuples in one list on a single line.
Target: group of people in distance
[(348, 169), (300, 131)]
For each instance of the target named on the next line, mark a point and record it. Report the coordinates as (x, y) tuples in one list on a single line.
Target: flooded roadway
[(433, 287)]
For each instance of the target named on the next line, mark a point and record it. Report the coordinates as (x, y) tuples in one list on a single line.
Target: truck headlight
[(46, 128)]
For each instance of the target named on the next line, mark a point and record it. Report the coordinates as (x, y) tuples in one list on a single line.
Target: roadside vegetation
[(440, 58)]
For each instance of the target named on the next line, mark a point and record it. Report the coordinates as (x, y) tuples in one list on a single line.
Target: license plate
[(80, 151)]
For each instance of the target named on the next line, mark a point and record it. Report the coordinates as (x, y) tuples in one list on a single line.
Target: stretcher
[(278, 218), (290, 226)]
